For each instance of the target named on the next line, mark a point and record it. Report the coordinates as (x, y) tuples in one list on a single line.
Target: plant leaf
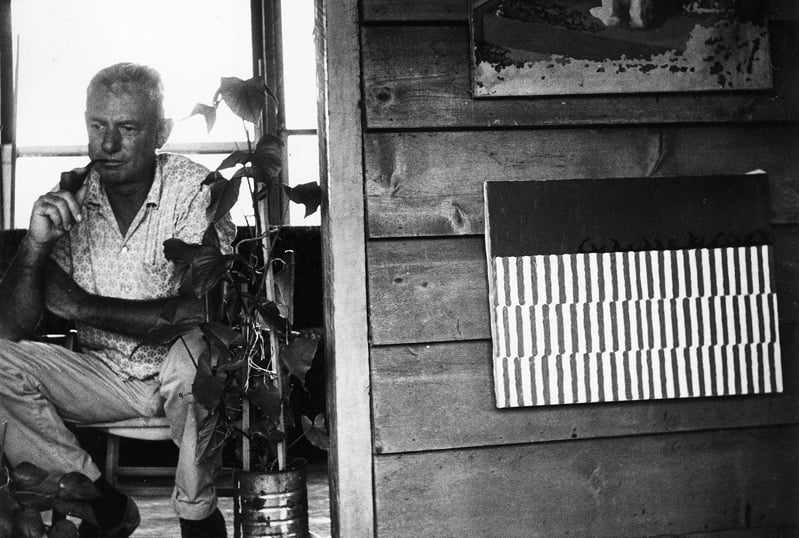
[(63, 528), (233, 366), (298, 356), (27, 475), (211, 238), (268, 157), (266, 397), (316, 431), (307, 194), (266, 430), (207, 438), (30, 524), (80, 509), (208, 389), (166, 334), (207, 269), (226, 334), (34, 499), (207, 112), (237, 157), (76, 486), (270, 315), (224, 195), (207, 265), (245, 171), (246, 98), (8, 509)]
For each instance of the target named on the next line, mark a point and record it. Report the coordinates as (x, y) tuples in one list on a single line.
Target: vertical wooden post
[(344, 268), (7, 117)]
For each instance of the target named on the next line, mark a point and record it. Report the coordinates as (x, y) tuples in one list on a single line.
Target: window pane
[(303, 167), (192, 43), (36, 176), (299, 65)]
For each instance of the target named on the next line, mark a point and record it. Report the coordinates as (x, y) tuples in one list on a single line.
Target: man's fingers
[(67, 205), (79, 197), (56, 209), (72, 202)]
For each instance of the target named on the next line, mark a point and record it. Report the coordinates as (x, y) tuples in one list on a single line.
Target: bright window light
[(299, 83), (299, 72), (192, 43)]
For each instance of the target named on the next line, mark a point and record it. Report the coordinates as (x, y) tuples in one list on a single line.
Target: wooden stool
[(149, 429)]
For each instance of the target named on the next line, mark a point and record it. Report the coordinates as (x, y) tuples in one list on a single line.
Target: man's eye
[(128, 129), (95, 126)]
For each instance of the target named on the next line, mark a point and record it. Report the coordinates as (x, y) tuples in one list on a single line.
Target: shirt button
[(124, 250)]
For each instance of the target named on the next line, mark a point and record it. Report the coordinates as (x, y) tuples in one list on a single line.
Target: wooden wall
[(446, 461)]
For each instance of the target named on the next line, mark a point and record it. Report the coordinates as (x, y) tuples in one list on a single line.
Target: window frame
[(267, 62)]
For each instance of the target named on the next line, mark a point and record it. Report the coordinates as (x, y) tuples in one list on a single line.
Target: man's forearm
[(131, 317), (22, 291)]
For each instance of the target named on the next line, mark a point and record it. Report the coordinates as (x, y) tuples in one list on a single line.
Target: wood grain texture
[(669, 484), (427, 291), (431, 183), (441, 396), (419, 77), (344, 269), (458, 10), (435, 290)]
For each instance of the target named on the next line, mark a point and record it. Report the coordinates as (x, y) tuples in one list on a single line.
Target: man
[(96, 257)]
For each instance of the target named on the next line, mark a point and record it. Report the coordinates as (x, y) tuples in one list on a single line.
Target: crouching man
[(95, 257)]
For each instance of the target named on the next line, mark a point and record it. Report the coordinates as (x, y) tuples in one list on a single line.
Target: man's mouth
[(109, 164)]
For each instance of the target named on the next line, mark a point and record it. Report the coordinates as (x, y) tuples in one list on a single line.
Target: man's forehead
[(119, 96)]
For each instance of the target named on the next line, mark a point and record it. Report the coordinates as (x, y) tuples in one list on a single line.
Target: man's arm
[(21, 292), (22, 287), (130, 317)]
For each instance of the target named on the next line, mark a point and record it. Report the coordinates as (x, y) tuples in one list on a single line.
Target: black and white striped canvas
[(630, 324)]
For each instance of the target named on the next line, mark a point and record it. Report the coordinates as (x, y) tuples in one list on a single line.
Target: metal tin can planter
[(272, 504)]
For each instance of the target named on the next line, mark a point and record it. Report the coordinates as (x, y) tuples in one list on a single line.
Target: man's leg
[(42, 385), (194, 497)]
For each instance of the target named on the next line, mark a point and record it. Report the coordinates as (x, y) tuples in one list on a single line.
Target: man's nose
[(111, 141)]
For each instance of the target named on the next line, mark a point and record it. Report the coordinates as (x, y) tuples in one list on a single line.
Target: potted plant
[(253, 356)]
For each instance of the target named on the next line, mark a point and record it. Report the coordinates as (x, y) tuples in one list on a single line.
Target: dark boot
[(211, 527), (117, 514)]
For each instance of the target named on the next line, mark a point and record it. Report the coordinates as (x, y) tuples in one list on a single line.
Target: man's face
[(124, 132)]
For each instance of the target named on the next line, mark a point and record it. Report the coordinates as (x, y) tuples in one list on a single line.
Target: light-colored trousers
[(43, 385)]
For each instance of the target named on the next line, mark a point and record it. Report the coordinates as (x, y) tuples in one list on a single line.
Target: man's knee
[(181, 361)]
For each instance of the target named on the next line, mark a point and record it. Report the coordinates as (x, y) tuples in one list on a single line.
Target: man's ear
[(164, 130)]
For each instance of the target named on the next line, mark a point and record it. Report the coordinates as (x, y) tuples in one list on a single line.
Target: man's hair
[(125, 73)]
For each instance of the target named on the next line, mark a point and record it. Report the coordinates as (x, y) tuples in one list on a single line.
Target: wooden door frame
[(344, 268)]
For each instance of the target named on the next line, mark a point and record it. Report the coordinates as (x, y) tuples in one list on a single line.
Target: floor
[(158, 519)]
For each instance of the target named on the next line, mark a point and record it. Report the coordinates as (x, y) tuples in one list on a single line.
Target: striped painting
[(572, 328)]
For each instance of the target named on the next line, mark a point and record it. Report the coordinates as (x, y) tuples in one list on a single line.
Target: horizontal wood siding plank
[(419, 77), (425, 10), (656, 485), (428, 290), (436, 290), (441, 396), (431, 183), (458, 10)]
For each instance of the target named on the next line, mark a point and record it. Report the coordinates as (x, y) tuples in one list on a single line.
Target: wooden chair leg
[(111, 459)]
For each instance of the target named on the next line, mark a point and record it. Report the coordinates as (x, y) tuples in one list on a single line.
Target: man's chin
[(113, 176)]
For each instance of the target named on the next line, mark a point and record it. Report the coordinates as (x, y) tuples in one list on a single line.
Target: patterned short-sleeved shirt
[(105, 263)]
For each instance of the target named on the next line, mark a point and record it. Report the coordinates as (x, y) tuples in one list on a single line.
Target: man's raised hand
[(54, 214)]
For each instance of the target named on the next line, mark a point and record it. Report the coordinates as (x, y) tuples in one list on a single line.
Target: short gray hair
[(147, 78)]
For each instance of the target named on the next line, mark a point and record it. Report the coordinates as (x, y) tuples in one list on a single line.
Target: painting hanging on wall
[(607, 290), (562, 47)]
